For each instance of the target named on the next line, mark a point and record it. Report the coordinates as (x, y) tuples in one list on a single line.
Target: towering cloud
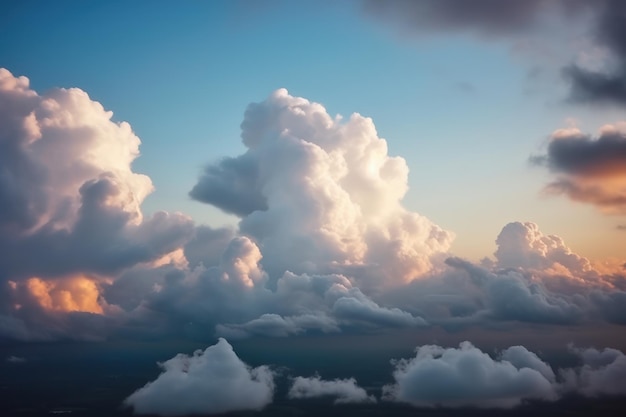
[(589, 169), (69, 203), (321, 195)]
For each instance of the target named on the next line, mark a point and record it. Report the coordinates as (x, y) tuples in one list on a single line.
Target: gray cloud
[(602, 373), (589, 169), (607, 85), (344, 390), (212, 381), (231, 185), (492, 17), (582, 155), (465, 376), (516, 20)]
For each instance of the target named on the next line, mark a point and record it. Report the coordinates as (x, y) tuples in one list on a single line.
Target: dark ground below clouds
[(92, 379)]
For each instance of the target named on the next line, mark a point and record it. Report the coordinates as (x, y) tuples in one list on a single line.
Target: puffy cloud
[(70, 213), (466, 376), (523, 245), (589, 169), (321, 195), (602, 373), (212, 381), (344, 390), (15, 359), (510, 295)]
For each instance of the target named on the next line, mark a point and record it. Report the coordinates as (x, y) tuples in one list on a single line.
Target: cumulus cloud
[(343, 390), (212, 381), (321, 195), (69, 205), (589, 169), (466, 376), (603, 372), (324, 243)]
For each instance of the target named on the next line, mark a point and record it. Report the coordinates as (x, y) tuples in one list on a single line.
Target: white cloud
[(16, 359), (70, 213), (344, 390), (210, 382), (466, 376), (321, 195)]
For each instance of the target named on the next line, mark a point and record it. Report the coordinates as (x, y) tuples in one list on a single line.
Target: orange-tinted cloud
[(77, 293), (589, 169)]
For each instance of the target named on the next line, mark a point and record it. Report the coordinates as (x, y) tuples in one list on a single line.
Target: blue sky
[(462, 111)]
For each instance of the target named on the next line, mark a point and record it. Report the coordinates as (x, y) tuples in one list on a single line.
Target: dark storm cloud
[(605, 86), (583, 155), (496, 19), (589, 169), (485, 16), (232, 186)]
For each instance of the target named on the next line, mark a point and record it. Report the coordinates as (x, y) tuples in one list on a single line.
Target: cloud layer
[(324, 244)]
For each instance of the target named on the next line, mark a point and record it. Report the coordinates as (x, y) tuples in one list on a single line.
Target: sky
[(226, 171)]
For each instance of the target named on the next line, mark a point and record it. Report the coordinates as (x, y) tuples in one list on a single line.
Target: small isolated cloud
[(589, 169), (278, 326), (16, 359), (603, 373), (621, 227), (343, 390), (466, 376), (210, 382)]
